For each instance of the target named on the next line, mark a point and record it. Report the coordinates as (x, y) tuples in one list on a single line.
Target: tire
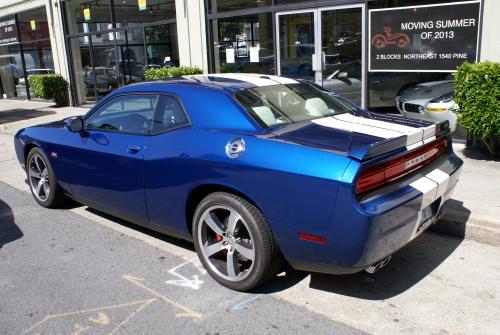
[(227, 229), (42, 181)]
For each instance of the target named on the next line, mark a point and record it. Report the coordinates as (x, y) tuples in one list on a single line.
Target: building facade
[(367, 51)]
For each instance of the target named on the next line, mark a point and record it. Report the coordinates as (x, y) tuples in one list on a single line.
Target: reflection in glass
[(128, 13), (244, 44), (296, 38), (161, 46), (341, 43), (132, 60), (220, 6), (33, 25), (83, 84), (100, 16)]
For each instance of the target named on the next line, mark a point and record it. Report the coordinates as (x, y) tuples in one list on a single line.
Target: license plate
[(427, 214)]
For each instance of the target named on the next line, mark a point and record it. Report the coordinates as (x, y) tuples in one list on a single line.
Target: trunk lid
[(363, 135)]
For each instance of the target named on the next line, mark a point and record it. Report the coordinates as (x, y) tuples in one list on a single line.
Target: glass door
[(296, 47), (324, 45)]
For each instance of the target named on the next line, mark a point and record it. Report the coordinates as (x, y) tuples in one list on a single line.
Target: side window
[(170, 115), (128, 114)]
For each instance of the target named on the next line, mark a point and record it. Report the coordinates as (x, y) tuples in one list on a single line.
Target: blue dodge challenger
[(253, 169)]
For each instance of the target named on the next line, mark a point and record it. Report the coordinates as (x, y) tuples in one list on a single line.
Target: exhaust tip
[(377, 266)]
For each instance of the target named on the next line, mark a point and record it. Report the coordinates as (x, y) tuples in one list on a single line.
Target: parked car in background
[(254, 170), (131, 69), (32, 72), (384, 86), (106, 80), (431, 101)]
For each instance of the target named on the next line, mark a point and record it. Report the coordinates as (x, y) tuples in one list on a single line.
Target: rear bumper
[(370, 229)]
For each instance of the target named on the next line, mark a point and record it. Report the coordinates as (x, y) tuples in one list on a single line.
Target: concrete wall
[(490, 41), (191, 33)]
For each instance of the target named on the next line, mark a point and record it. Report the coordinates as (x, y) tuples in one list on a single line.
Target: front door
[(105, 159), (324, 45)]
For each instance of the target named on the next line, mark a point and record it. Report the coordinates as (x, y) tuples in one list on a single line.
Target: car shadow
[(9, 231), (166, 238), (20, 114), (454, 220), (407, 267)]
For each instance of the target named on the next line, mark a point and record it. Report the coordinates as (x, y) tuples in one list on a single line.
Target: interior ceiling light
[(258, 0), (123, 1)]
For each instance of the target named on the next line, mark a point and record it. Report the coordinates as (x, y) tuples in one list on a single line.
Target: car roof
[(227, 81)]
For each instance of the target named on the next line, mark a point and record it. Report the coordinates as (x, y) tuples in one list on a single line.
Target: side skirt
[(137, 221)]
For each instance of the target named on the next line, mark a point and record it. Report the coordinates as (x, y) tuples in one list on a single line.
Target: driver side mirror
[(342, 75), (75, 125)]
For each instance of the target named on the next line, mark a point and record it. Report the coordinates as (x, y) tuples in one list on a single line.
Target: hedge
[(477, 94), (50, 87), (171, 72)]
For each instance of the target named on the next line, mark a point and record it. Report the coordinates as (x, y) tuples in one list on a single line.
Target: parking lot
[(75, 270)]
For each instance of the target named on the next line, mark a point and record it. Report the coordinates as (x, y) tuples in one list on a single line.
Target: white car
[(431, 101), (31, 72)]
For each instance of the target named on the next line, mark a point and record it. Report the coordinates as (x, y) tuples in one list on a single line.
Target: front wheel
[(42, 181), (234, 242)]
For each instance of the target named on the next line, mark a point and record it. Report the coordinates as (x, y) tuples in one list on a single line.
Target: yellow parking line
[(188, 311), (48, 317)]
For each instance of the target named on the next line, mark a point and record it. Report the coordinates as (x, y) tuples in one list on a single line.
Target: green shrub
[(477, 94), (50, 87), (171, 72)]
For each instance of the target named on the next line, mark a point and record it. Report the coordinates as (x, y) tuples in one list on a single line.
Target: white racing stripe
[(442, 179), (413, 135), (359, 128), (256, 79), (428, 189)]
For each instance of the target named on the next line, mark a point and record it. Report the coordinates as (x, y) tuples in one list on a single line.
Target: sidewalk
[(473, 212)]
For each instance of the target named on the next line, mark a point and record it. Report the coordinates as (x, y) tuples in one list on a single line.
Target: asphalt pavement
[(76, 270)]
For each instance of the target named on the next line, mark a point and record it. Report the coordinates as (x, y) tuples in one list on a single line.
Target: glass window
[(236, 38), (128, 13), (131, 56), (131, 114), (170, 115), (84, 16), (280, 104), (385, 87), (219, 6), (33, 25), (161, 46)]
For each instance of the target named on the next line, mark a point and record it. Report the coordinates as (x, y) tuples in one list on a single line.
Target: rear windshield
[(276, 105)]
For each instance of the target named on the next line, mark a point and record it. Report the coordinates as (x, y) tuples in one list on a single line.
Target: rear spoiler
[(424, 132)]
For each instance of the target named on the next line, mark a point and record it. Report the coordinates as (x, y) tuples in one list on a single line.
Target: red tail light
[(384, 173)]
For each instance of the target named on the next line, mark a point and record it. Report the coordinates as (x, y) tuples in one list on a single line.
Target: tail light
[(386, 172)]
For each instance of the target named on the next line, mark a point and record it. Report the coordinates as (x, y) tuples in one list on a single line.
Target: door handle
[(377, 82), (133, 148)]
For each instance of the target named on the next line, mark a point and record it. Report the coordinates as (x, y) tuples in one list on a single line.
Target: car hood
[(428, 91), (56, 124), (360, 134)]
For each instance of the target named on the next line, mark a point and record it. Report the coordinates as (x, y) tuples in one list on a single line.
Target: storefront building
[(367, 51)]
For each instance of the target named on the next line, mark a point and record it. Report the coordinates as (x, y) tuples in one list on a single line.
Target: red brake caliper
[(219, 238)]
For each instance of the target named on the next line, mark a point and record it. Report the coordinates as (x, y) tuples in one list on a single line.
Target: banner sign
[(8, 30), (33, 25), (142, 4), (86, 14), (435, 38)]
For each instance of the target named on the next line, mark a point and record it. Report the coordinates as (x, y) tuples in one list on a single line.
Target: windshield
[(276, 105)]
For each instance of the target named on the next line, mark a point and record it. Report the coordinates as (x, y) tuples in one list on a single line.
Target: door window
[(170, 115), (130, 114)]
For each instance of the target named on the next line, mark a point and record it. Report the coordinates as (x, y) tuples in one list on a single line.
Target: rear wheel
[(234, 242), (42, 181)]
